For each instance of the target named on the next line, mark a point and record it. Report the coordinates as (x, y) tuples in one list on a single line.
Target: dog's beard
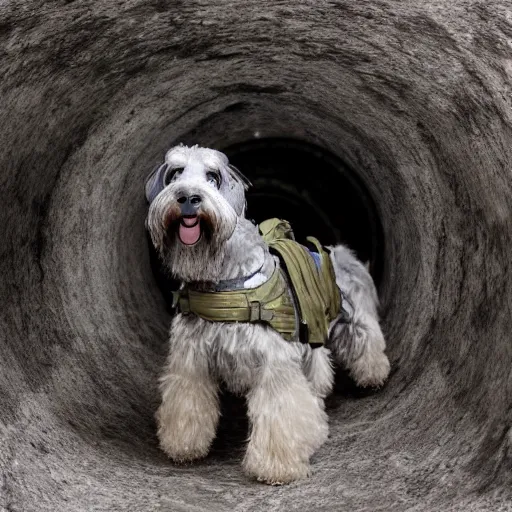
[(201, 261), (192, 249)]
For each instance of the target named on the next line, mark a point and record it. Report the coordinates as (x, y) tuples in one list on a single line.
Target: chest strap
[(270, 302)]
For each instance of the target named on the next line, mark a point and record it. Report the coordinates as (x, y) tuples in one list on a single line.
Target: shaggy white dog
[(197, 224)]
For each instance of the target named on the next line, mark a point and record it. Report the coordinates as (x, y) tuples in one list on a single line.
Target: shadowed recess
[(314, 191), (403, 109)]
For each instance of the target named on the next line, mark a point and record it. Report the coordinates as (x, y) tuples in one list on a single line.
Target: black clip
[(303, 332)]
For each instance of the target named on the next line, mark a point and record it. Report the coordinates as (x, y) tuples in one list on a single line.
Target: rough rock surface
[(416, 96)]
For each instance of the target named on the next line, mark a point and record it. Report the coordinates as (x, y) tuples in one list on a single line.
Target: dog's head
[(195, 199)]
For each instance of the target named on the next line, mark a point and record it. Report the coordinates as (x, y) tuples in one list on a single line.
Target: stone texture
[(416, 96)]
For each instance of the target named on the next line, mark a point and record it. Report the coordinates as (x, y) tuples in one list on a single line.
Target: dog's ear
[(240, 177), (155, 182)]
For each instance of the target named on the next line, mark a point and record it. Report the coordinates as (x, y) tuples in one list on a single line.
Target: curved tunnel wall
[(416, 99)]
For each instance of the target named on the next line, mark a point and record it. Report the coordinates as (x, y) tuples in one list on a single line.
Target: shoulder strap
[(328, 278), (315, 289)]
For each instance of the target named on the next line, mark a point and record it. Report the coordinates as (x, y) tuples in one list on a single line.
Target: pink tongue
[(190, 236)]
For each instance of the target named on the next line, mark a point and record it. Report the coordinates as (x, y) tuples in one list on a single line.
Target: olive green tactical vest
[(299, 300)]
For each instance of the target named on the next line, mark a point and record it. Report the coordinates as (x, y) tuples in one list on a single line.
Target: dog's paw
[(184, 454), (274, 469), (277, 473), (181, 447), (185, 438), (284, 478), (370, 370)]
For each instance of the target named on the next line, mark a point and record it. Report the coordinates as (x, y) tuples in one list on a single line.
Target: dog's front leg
[(288, 424), (188, 415)]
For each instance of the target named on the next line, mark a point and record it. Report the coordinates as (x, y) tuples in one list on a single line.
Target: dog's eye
[(213, 178), (172, 174)]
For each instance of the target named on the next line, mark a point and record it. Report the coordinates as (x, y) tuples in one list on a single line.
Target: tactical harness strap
[(315, 288), (270, 303), (308, 306)]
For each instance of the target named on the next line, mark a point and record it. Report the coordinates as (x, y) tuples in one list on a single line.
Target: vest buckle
[(258, 313)]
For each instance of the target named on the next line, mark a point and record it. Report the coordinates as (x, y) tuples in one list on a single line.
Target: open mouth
[(189, 231)]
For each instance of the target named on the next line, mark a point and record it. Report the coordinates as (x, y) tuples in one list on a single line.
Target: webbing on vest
[(298, 295), (270, 302)]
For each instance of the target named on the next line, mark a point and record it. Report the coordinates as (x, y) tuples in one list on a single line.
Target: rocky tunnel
[(387, 125)]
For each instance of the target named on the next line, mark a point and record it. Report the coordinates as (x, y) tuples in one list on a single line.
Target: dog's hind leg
[(318, 369), (288, 424), (358, 344), (188, 415), (359, 347)]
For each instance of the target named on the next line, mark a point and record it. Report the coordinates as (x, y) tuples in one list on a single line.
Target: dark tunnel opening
[(314, 190)]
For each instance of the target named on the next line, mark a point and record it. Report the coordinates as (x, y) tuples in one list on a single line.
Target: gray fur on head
[(232, 189), (186, 173)]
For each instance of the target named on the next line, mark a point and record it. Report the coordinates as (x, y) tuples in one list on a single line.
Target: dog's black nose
[(189, 204)]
